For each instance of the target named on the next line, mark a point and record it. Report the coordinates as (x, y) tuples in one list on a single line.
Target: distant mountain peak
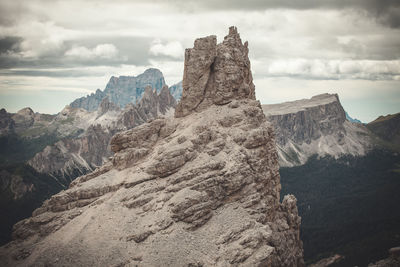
[(26, 112), (122, 90)]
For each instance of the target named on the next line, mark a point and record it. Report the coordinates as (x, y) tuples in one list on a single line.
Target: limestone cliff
[(316, 126), (200, 189)]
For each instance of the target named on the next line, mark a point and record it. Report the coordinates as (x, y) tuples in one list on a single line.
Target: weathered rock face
[(122, 90), (198, 190), (315, 126), (215, 74)]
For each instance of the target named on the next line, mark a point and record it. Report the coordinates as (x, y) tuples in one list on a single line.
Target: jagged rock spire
[(215, 74)]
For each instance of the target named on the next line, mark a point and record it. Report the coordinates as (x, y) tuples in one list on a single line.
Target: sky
[(52, 52)]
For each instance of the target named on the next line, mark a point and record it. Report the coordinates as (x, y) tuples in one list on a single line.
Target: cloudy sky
[(52, 52)]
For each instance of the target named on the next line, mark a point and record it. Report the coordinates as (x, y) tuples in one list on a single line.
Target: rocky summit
[(199, 189), (215, 74)]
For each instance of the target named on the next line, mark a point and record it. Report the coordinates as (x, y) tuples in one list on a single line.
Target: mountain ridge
[(205, 183), (122, 90)]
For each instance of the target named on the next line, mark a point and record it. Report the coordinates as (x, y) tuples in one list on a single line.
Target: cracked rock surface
[(201, 189)]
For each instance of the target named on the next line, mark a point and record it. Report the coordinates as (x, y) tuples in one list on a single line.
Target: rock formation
[(315, 126), (200, 189), (122, 90), (215, 74)]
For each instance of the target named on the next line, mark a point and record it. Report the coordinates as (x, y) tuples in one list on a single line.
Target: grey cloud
[(53, 73), (386, 12), (374, 6), (11, 12), (8, 61), (131, 50), (313, 69), (10, 44), (385, 47), (391, 17)]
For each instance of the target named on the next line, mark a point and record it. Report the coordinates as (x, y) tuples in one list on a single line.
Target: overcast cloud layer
[(297, 48)]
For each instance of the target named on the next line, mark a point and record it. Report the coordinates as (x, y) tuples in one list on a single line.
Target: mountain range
[(122, 90), (41, 154), (329, 161), (200, 188)]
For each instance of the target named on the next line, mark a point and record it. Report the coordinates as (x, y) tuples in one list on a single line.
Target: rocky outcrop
[(166, 100), (315, 126), (215, 74), (197, 190), (122, 90)]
